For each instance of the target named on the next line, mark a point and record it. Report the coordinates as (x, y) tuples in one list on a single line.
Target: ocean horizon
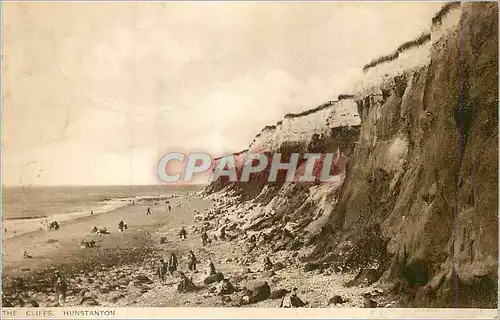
[(43, 202)]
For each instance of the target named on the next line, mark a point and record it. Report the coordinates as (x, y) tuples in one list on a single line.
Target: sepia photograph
[(247, 155)]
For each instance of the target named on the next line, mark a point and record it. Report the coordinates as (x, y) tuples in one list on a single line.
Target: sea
[(39, 205)]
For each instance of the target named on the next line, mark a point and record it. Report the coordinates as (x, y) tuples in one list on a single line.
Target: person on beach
[(186, 284), (148, 212), (223, 233), (183, 233), (268, 265), (161, 271), (225, 287), (192, 261), (172, 264), (292, 300), (204, 238), (60, 288), (91, 212), (94, 230), (169, 209), (211, 267), (133, 203), (121, 225)]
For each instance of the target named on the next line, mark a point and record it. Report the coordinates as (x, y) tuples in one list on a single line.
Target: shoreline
[(121, 270), (17, 226), (43, 245)]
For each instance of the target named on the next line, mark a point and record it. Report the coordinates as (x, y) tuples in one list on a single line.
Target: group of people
[(101, 230), (170, 267), (122, 226), (167, 267)]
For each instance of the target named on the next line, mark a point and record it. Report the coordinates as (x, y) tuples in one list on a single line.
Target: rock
[(369, 303), (48, 290), (122, 282), (88, 301), (336, 300), (33, 303), (239, 278), (268, 274), (278, 266), (213, 278), (105, 289), (142, 278), (53, 304), (310, 266), (246, 270), (260, 292), (280, 293)]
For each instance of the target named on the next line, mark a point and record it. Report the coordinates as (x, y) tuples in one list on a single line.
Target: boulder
[(33, 303), (115, 298), (278, 266), (142, 279), (311, 266), (213, 278), (53, 304), (88, 301), (246, 270), (260, 292), (336, 300), (268, 274), (278, 294)]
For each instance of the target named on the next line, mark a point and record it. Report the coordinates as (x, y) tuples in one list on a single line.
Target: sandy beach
[(120, 271), (49, 248)]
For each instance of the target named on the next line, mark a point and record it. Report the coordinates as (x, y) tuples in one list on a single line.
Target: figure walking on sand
[(268, 265), (169, 209), (60, 288), (148, 212), (204, 238), (192, 261), (223, 233), (210, 267), (161, 271), (121, 225), (183, 233), (172, 264)]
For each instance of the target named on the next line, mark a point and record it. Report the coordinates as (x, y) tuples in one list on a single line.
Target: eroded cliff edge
[(415, 202)]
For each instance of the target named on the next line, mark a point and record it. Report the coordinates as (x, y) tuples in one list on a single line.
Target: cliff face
[(299, 129), (417, 165)]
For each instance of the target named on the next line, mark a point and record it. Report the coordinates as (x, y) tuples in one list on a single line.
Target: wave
[(25, 217)]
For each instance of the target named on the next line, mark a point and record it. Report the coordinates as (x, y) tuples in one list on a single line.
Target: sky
[(97, 93)]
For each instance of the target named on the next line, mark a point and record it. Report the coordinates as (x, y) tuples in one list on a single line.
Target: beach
[(121, 269), (46, 246)]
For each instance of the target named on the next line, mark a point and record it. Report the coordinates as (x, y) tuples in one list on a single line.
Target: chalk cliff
[(415, 199)]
